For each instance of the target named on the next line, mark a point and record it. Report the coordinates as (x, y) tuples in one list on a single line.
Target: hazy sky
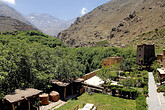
[(63, 9)]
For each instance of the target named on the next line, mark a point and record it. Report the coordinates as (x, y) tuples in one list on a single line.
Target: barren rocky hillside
[(6, 10), (10, 24), (119, 22)]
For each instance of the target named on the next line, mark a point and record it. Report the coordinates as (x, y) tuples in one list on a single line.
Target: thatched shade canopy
[(79, 80), (21, 94), (59, 83)]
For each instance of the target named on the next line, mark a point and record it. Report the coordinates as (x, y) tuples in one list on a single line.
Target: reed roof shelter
[(67, 89), (22, 95)]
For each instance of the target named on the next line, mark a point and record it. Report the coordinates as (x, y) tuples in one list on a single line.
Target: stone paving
[(60, 105), (156, 101), (53, 105), (161, 100)]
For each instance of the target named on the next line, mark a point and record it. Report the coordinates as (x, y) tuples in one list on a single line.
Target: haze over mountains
[(119, 22), (49, 24)]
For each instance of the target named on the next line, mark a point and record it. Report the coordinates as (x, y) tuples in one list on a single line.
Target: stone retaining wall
[(89, 75)]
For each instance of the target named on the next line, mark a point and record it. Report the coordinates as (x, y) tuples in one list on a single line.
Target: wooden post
[(28, 104), (83, 104), (64, 92), (13, 107), (38, 106), (72, 89)]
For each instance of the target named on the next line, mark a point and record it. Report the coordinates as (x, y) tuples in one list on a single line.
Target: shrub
[(145, 90), (141, 103), (102, 43), (122, 73), (113, 91), (161, 88)]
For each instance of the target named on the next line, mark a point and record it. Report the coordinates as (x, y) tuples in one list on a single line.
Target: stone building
[(145, 54), (161, 72), (111, 61), (161, 58)]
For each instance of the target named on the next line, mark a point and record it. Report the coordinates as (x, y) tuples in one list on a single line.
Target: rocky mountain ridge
[(6, 10), (9, 24), (11, 20), (119, 22)]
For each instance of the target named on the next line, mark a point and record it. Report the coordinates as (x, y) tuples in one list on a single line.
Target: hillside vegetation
[(32, 59), (119, 22), (156, 37)]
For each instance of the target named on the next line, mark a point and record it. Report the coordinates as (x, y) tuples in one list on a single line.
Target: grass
[(104, 102)]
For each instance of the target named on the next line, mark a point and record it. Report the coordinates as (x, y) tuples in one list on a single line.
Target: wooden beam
[(64, 92), (13, 107), (72, 89), (28, 104)]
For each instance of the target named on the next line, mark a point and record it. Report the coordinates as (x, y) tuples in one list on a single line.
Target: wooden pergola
[(63, 86), (20, 95)]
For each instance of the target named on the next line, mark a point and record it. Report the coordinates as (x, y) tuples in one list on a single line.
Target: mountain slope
[(157, 37), (10, 24), (48, 24), (6, 10), (118, 22)]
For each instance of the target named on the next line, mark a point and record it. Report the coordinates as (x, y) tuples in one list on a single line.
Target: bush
[(145, 90), (102, 43), (141, 103), (113, 91), (122, 74), (161, 88)]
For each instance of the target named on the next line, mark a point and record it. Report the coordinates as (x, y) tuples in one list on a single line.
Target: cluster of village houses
[(145, 56)]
